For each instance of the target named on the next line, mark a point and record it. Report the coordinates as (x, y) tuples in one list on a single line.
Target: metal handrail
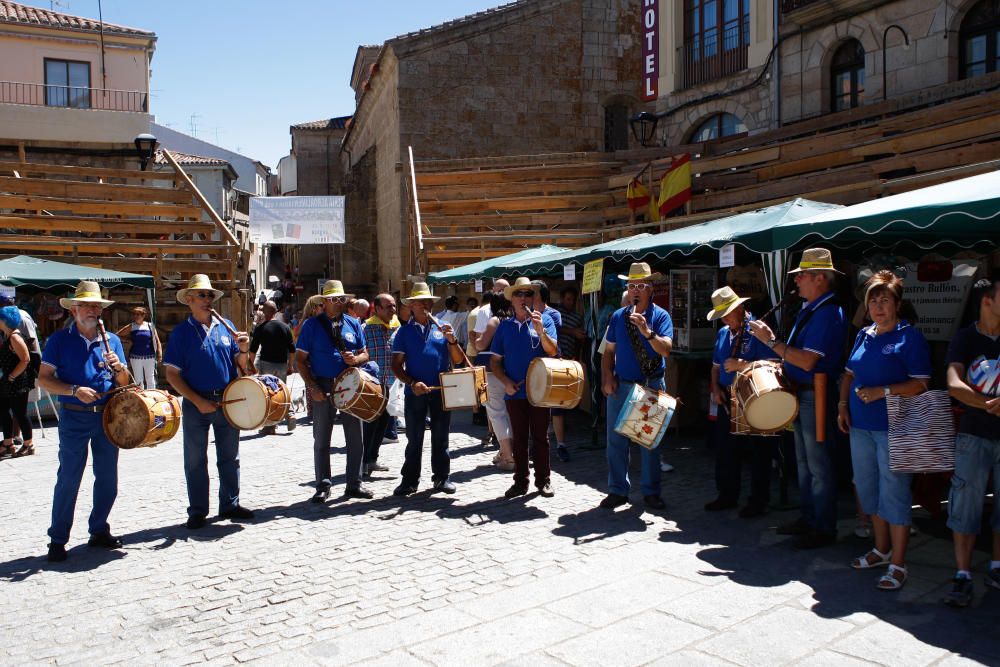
[(74, 97)]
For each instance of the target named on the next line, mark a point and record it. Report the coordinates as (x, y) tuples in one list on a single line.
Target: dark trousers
[(373, 432), (729, 452), (18, 404), (415, 410), (525, 418)]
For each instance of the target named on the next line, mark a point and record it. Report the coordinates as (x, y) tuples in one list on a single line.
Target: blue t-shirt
[(518, 343), (980, 356), (142, 341), (424, 350), (877, 361), (626, 364), (205, 359), (751, 349), (555, 315), (824, 333), (77, 360), (325, 360)]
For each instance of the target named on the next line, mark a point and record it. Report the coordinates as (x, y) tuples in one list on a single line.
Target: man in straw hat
[(328, 344), (423, 348), (202, 357), (518, 340), (728, 307), (815, 345), (639, 337), (79, 370)]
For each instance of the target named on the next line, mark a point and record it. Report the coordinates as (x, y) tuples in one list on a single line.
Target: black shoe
[(445, 486), (359, 492), (562, 453), (797, 527), (377, 467), (267, 430), (195, 521), (960, 595), (545, 490), (612, 501), (404, 489), (105, 541), (57, 553), (815, 539), (654, 502), (720, 504), (751, 511), (238, 513), (322, 493), (515, 490)]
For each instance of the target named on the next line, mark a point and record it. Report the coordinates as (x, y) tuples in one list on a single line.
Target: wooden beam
[(517, 204), (51, 187), (90, 206), (85, 172), (189, 184), (514, 174), (67, 223)]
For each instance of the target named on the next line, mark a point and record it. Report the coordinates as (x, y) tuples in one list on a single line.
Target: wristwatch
[(73, 388), (886, 391), (771, 343), (651, 336)]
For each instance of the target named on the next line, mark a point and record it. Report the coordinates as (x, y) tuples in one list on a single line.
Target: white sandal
[(864, 563), (889, 581)]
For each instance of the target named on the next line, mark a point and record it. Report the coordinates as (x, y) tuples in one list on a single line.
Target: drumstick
[(235, 334), (232, 400)]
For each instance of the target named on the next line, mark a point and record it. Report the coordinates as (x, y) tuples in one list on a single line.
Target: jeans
[(373, 432), (415, 411), (817, 474), (392, 428), (144, 371), (880, 490), (975, 457), (323, 413), (619, 449), (729, 451), (76, 429), (227, 457), (525, 417)]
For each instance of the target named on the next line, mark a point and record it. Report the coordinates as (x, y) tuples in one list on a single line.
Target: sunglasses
[(639, 287), (525, 294), (204, 295), (340, 299)]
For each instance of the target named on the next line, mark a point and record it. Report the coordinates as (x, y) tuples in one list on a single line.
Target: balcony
[(73, 97), (706, 59)]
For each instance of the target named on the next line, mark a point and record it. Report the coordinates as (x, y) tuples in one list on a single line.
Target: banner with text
[(297, 220), (938, 294)]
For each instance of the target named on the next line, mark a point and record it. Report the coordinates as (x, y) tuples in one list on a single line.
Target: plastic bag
[(395, 403)]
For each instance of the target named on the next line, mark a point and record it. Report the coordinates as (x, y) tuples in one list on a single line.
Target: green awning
[(552, 262), (475, 271), (25, 271)]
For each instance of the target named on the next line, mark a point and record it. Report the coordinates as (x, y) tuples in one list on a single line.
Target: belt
[(210, 395), (73, 407)]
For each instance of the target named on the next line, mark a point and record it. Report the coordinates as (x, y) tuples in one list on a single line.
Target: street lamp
[(145, 145), (906, 47), (644, 126)]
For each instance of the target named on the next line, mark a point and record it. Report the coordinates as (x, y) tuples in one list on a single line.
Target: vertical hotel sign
[(650, 49)]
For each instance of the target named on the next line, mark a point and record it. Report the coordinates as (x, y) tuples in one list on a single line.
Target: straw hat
[(724, 301), (522, 283), (418, 292), (639, 271), (816, 259), (333, 288), (86, 292), (199, 281)]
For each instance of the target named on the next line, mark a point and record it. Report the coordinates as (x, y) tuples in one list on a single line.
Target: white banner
[(297, 220)]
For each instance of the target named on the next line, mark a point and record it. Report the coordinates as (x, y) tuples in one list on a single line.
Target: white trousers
[(144, 372), (496, 411)]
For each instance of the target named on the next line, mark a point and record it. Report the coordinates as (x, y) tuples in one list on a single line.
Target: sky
[(240, 72)]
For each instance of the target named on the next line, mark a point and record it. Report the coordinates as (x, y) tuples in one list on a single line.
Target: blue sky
[(247, 69)]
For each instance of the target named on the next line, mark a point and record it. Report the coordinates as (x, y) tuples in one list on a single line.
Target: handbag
[(395, 405), (921, 432)]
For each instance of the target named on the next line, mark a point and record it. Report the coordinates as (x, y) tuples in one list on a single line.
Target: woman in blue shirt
[(889, 357)]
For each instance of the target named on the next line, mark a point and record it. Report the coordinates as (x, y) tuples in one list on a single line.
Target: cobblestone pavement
[(468, 579)]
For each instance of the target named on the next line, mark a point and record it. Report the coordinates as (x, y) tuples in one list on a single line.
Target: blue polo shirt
[(204, 356), (751, 349), (824, 333), (517, 343), (876, 361), (77, 360), (325, 360), (424, 350), (555, 315), (626, 365)]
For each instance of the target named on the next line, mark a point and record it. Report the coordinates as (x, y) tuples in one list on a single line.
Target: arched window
[(718, 126), (847, 76), (980, 40)]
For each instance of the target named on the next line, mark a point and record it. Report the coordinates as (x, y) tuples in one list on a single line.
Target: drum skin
[(554, 383), (141, 418), (766, 404), (463, 388), (359, 394), (261, 406), (645, 416)]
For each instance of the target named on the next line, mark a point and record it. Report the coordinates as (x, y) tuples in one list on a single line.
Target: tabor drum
[(255, 401), (463, 388), (554, 383), (765, 403), (141, 418), (645, 416), (359, 394)]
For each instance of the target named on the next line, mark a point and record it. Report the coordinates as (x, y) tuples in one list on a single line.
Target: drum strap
[(332, 330), (801, 324), (649, 365)]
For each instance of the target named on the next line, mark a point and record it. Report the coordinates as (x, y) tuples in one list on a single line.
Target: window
[(847, 76), (718, 126), (67, 84), (980, 40), (616, 127), (716, 37)]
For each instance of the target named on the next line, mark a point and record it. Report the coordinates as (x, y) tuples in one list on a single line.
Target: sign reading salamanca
[(297, 220)]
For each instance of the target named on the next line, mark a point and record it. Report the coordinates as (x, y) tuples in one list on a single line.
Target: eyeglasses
[(524, 294), (340, 299), (639, 287), (204, 295)]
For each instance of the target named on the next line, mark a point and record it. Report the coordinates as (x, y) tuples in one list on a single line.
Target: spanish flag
[(675, 187), (637, 195)]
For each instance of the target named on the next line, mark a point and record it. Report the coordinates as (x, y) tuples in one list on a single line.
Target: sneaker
[(445, 486), (993, 577), (666, 467), (57, 553), (292, 423), (612, 501), (515, 490), (322, 493), (961, 593), (545, 490), (404, 490), (268, 430), (359, 492), (389, 440), (195, 521), (562, 453)]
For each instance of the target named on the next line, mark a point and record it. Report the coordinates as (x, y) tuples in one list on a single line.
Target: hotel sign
[(650, 49)]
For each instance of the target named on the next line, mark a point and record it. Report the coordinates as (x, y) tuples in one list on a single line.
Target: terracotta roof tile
[(18, 14), (191, 160), (339, 123)]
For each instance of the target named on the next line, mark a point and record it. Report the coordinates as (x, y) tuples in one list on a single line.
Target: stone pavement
[(468, 579)]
